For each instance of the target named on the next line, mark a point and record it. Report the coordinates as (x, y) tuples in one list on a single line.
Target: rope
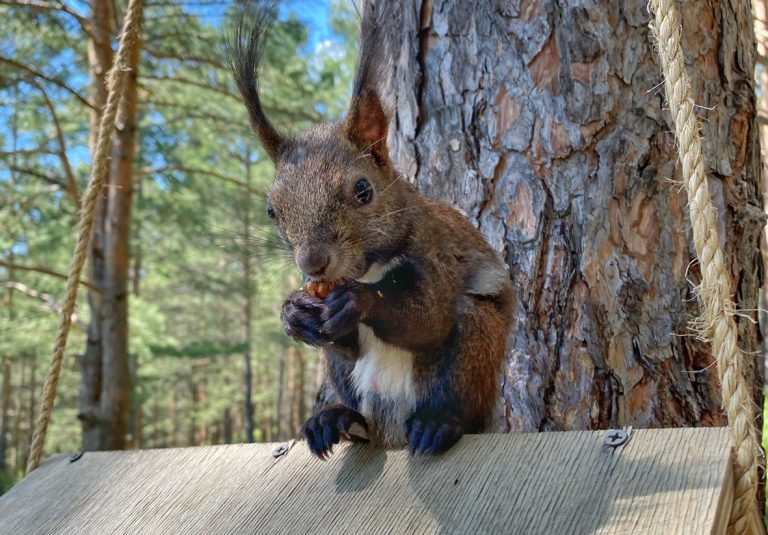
[(129, 39), (716, 324)]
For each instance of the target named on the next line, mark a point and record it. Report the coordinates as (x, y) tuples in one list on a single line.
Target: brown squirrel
[(414, 334)]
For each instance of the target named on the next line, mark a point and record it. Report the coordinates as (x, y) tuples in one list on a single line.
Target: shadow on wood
[(666, 481)]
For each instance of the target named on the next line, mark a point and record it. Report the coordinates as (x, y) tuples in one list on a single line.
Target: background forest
[(208, 361)]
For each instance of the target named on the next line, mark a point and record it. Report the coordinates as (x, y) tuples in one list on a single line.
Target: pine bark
[(761, 37), (544, 122)]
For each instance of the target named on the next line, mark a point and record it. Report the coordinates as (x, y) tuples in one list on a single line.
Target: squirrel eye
[(363, 191), (270, 211)]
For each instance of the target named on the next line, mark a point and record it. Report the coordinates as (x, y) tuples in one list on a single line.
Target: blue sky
[(313, 13)]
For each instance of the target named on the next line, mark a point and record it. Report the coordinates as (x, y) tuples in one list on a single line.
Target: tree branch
[(59, 83), (165, 54), (46, 271), (298, 115), (193, 112), (26, 152), (46, 298), (197, 171), (56, 181), (194, 83), (48, 6), (71, 185)]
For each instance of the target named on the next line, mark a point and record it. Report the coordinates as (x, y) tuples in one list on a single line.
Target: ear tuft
[(244, 52), (367, 121)]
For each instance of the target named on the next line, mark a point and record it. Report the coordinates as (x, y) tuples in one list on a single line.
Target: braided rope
[(716, 323), (99, 171)]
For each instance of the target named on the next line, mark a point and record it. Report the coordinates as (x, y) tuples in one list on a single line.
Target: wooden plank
[(661, 481)]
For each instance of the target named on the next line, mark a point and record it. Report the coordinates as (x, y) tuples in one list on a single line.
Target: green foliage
[(198, 218)]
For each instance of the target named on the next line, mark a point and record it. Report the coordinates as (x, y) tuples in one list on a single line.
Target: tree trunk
[(5, 406), (279, 396), (106, 380), (287, 420), (135, 416), (174, 418), (761, 37), (32, 400), (20, 449), (544, 122), (297, 371), (247, 303), (226, 426)]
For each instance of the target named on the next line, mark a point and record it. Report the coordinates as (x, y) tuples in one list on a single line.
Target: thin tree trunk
[(137, 251), (135, 416), (32, 400), (201, 433), (192, 425), (5, 406), (279, 395), (226, 426), (99, 63), (544, 122), (287, 414), (174, 419), (20, 456), (138, 427), (247, 304), (106, 392), (297, 390)]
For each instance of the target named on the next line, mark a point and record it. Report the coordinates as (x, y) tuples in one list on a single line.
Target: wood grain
[(661, 481)]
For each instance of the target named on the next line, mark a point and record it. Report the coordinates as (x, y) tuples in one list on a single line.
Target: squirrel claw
[(432, 433), (329, 427)]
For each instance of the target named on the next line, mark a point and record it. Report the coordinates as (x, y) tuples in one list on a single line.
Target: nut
[(320, 289)]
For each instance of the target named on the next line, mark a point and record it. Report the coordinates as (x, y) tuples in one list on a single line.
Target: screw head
[(282, 449), (615, 437)]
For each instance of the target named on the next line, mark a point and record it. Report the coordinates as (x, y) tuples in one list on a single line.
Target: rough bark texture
[(544, 122), (761, 37), (106, 380)]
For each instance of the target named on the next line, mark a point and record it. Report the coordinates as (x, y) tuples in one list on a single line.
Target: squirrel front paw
[(301, 318), (343, 312), (332, 424), (432, 432)]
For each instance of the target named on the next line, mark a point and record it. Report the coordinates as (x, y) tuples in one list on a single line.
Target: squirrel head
[(336, 199)]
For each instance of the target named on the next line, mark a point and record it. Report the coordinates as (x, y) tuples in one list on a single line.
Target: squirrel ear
[(367, 124), (367, 121), (245, 50)]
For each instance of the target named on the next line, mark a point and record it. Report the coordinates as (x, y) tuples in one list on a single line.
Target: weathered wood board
[(662, 481)]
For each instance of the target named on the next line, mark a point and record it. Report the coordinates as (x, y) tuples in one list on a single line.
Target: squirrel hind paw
[(430, 433)]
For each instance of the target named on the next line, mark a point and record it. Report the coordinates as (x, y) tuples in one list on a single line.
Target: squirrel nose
[(313, 260)]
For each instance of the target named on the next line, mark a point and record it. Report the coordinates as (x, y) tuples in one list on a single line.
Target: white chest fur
[(384, 370)]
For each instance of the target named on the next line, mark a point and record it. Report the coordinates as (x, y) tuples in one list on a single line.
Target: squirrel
[(414, 332)]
